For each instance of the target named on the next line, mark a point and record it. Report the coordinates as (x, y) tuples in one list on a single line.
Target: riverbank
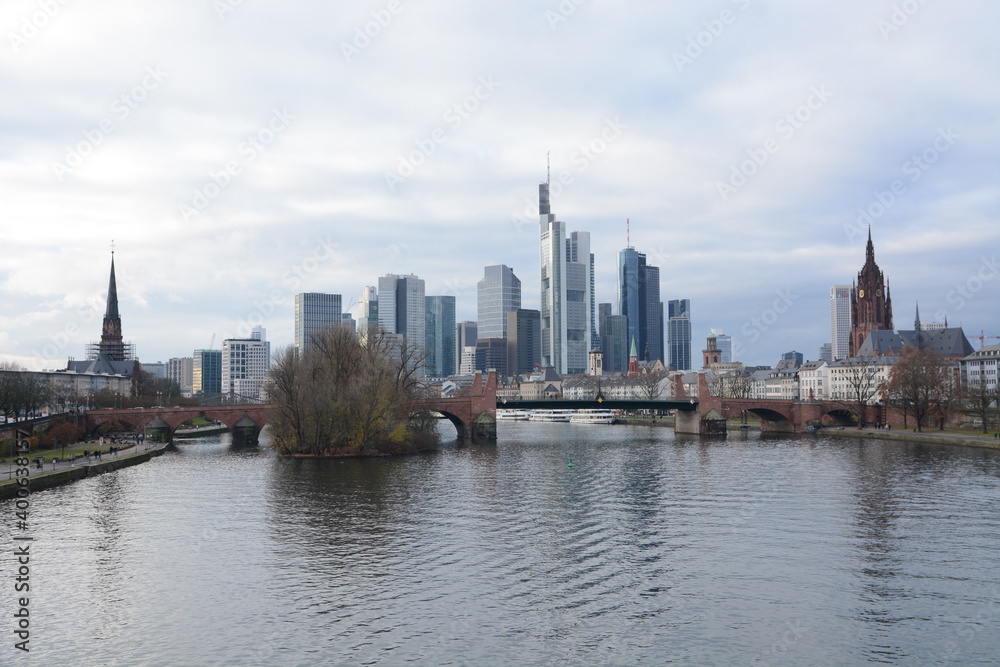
[(65, 472), (985, 441)]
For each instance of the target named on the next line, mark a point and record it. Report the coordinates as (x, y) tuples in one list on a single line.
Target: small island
[(349, 396)]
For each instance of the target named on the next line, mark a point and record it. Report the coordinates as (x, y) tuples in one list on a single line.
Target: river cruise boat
[(514, 415), (595, 416), (551, 415)]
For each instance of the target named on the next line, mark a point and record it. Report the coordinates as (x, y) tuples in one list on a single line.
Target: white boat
[(595, 416), (551, 415), (514, 415)]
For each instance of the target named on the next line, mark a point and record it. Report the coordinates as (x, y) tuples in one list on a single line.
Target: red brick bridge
[(776, 416), (474, 415)]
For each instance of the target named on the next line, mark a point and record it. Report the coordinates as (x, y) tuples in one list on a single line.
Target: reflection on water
[(649, 549)]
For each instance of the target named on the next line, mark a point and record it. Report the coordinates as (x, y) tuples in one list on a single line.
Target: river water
[(649, 549)]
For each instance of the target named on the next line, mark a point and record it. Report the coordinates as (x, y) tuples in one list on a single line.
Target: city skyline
[(231, 184)]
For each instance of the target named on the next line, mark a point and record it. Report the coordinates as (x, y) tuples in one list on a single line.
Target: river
[(649, 549)]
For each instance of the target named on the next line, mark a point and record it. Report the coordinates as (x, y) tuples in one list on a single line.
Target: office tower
[(871, 305), (615, 344), (840, 321), (245, 363), (724, 342), (567, 312), (315, 312), (466, 334), (206, 372), (440, 332), (524, 336), (826, 352), (181, 370), (639, 301), (401, 306), (491, 355), (467, 360), (347, 320), (793, 358), (367, 312), (679, 312), (498, 293)]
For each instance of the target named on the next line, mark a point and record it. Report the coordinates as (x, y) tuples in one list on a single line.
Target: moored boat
[(595, 416)]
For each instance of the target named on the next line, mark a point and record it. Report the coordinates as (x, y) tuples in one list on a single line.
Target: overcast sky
[(241, 151)]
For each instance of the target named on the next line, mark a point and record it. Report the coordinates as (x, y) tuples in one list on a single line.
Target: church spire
[(112, 308), (112, 347)]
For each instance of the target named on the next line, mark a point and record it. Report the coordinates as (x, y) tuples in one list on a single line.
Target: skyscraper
[(679, 311), (314, 313), (440, 332), (401, 306), (498, 293), (367, 312), (524, 332), (639, 301), (724, 342), (567, 291), (466, 335), (871, 305), (840, 321), (653, 329), (206, 372)]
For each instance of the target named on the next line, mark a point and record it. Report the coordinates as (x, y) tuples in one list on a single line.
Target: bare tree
[(918, 384), (650, 384), (981, 400), (859, 375)]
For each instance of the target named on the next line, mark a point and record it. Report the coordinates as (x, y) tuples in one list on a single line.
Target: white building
[(402, 307), (845, 375), (567, 290), (814, 381), (840, 321), (181, 371), (245, 363), (981, 366)]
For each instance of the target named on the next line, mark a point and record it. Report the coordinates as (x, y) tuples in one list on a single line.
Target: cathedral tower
[(871, 306)]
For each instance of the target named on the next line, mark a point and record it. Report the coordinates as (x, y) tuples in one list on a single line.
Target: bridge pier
[(484, 428)]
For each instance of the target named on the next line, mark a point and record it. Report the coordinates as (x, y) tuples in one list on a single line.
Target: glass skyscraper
[(639, 301), (498, 293), (440, 336), (679, 311)]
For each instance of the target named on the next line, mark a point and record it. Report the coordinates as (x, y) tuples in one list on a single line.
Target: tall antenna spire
[(548, 168), (628, 233)]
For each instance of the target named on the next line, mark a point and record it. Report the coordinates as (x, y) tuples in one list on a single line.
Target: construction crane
[(983, 338)]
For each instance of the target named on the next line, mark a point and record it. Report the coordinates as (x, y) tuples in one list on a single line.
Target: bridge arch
[(773, 421)]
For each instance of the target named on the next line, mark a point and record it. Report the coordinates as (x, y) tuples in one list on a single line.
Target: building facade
[(245, 363), (440, 336), (524, 341), (181, 371), (498, 293), (402, 307), (679, 336), (315, 312), (568, 311), (840, 321), (206, 372), (367, 312)]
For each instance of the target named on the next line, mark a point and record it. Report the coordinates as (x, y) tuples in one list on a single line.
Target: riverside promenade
[(63, 472), (988, 441)]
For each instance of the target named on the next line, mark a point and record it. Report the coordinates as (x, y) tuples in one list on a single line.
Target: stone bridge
[(776, 416), (244, 421), (474, 415)]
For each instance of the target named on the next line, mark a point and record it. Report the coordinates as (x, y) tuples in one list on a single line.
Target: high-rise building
[(440, 336), (181, 371), (826, 352), (840, 321), (498, 293), (639, 301), (724, 342), (615, 344), (206, 372), (367, 312), (491, 355), (466, 334), (567, 290), (245, 363), (315, 312), (524, 333), (871, 305), (679, 311), (401, 307)]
